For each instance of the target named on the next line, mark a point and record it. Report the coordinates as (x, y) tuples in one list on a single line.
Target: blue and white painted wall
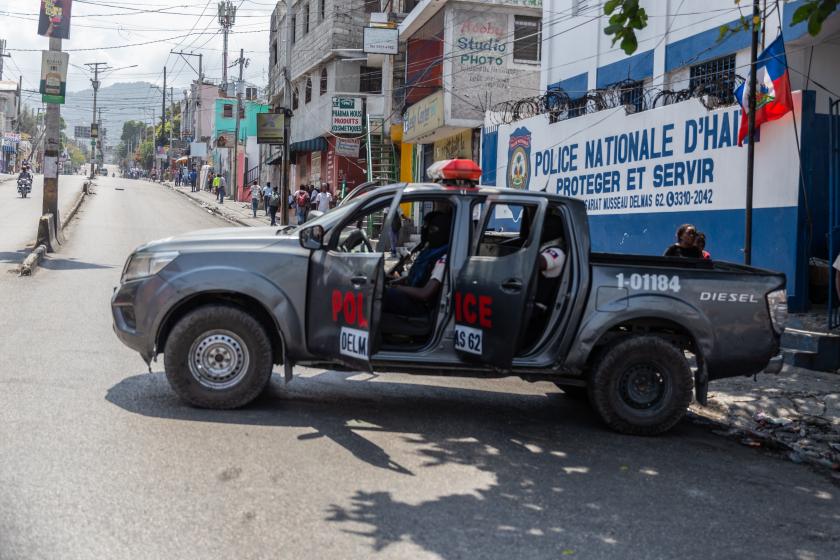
[(643, 175)]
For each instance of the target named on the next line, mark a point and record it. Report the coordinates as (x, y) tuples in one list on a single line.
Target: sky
[(111, 31)]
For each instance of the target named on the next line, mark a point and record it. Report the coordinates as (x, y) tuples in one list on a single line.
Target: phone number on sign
[(684, 198)]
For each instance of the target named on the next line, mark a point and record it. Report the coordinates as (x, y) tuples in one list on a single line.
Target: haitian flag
[(772, 98)]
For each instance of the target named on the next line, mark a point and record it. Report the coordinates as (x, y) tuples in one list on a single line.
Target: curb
[(211, 209), (716, 422), (34, 258)]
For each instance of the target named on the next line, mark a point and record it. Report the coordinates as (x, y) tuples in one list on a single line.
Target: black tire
[(642, 386), (211, 332)]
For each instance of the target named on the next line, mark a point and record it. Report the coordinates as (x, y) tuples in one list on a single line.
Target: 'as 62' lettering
[(648, 282)]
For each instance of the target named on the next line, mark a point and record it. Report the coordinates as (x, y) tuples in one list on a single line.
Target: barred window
[(227, 111), (527, 38), (633, 94), (715, 77), (307, 93), (306, 19), (322, 90), (370, 79)]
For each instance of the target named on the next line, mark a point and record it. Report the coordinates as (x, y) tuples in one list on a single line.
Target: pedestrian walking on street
[(273, 203), (267, 190), (256, 193), (301, 204), (323, 200), (215, 183), (394, 232), (222, 188), (193, 180)]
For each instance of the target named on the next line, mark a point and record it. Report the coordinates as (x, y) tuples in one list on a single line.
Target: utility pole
[(165, 160), (95, 83), (3, 54), (287, 129), (19, 103), (52, 146), (751, 89), (235, 172), (227, 17), (171, 115), (196, 89)]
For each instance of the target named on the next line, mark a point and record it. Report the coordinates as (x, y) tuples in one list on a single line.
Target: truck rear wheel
[(642, 386), (218, 356)]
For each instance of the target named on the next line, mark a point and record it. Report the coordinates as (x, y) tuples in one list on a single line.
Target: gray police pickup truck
[(635, 334)]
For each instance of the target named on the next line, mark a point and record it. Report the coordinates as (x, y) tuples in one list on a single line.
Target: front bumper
[(133, 306)]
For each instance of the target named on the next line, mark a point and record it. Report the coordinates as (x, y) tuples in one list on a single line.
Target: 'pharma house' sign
[(675, 158)]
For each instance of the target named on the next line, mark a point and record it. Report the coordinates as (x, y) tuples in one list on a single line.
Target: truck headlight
[(777, 305), (142, 265)]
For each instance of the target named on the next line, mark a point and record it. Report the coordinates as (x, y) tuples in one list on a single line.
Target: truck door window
[(505, 230)]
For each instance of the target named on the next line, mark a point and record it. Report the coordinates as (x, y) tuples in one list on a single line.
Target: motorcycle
[(24, 186)]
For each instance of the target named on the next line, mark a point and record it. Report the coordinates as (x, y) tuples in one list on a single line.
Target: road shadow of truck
[(561, 484)]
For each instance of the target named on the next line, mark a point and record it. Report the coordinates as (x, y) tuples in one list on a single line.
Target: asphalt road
[(98, 459), (19, 216)]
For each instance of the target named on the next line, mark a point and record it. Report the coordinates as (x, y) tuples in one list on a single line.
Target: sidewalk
[(237, 212), (796, 412)]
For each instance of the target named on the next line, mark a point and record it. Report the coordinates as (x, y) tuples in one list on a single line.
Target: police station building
[(650, 141)]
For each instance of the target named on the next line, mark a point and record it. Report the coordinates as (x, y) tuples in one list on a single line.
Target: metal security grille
[(633, 95), (715, 77)]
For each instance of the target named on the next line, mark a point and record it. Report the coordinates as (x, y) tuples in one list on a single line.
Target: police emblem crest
[(519, 159)]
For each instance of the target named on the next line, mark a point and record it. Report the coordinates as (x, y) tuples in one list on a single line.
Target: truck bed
[(675, 262)]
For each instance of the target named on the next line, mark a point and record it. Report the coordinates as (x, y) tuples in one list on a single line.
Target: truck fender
[(648, 308), (210, 281)]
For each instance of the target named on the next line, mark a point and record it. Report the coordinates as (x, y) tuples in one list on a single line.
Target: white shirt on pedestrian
[(256, 191), (322, 201)]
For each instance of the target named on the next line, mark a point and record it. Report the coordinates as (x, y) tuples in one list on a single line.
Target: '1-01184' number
[(648, 282)]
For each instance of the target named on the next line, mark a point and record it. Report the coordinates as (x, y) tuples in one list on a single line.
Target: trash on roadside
[(763, 418)]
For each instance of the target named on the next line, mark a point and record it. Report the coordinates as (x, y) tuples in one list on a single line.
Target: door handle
[(358, 280), (513, 285)]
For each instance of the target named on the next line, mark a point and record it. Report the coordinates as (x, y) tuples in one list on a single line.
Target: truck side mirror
[(312, 238)]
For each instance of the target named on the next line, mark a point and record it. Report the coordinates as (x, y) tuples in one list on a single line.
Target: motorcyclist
[(24, 173)]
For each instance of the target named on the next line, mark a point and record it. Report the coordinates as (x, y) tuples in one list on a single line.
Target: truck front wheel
[(642, 386), (218, 356)]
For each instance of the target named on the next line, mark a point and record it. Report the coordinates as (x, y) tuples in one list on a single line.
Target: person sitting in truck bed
[(685, 247)]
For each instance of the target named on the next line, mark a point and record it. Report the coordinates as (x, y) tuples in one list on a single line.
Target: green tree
[(627, 17)]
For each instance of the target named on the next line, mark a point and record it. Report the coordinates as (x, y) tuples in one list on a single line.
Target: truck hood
[(221, 239)]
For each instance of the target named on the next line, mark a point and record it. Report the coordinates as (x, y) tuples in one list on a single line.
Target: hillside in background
[(120, 102)]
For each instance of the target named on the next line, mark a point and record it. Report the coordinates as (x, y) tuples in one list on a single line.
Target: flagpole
[(751, 91)]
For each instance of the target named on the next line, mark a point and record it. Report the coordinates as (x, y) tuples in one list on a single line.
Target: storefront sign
[(347, 115), (270, 128), (347, 147), (423, 117), (11, 137), (483, 69), (198, 149), (54, 18), (381, 40), (53, 76), (457, 146)]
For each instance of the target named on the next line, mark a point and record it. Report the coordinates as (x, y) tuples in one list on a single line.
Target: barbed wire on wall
[(632, 95)]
